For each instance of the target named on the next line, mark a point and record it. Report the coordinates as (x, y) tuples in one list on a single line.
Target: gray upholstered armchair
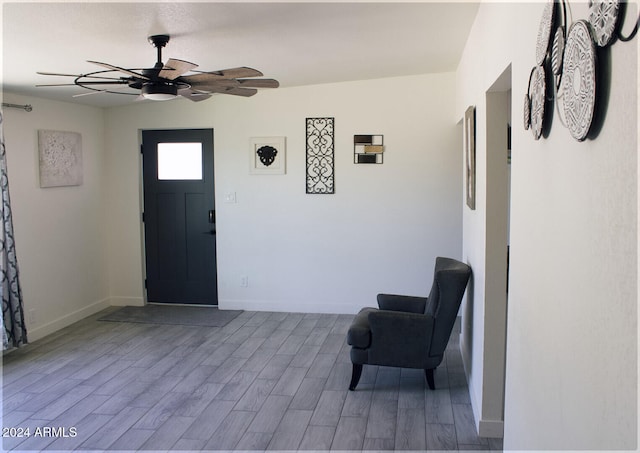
[(407, 331)]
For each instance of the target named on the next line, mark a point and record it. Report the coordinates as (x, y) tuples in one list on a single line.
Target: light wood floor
[(266, 381)]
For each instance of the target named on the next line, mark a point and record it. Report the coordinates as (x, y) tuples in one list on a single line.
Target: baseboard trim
[(485, 428), (123, 301), (472, 396), (36, 333), (491, 428), (280, 306)]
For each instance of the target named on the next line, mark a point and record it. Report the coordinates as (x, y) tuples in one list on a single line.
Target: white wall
[(59, 232), (571, 366), (380, 231), (80, 248)]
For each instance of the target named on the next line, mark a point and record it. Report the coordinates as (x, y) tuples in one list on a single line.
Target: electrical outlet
[(230, 197), (244, 281), (32, 316)]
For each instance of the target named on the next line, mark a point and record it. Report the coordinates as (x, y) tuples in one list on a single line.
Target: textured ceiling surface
[(297, 43)]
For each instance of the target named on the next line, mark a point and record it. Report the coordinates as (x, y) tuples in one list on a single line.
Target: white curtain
[(14, 333)]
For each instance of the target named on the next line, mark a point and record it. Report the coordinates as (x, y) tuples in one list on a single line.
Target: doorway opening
[(498, 177)]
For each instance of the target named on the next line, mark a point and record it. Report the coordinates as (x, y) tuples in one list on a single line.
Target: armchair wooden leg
[(355, 376), (430, 382)]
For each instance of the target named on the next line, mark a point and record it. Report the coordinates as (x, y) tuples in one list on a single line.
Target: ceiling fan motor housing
[(159, 40), (159, 90)]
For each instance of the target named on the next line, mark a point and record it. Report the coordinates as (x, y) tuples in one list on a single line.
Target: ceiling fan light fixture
[(159, 91)]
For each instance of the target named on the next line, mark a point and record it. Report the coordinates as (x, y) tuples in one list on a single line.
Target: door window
[(179, 161)]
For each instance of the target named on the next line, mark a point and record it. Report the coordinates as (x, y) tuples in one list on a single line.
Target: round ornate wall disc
[(544, 31), (579, 80), (557, 51), (527, 112), (538, 91), (603, 17)]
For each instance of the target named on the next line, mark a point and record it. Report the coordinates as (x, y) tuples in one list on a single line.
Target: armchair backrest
[(450, 279)]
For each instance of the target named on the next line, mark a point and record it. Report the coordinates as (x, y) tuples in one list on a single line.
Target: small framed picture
[(469, 140), (267, 156), (368, 149)]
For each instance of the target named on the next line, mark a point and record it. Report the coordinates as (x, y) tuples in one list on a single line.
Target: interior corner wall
[(59, 232), (379, 232), (573, 286)]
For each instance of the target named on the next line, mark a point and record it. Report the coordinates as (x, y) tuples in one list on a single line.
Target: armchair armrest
[(359, 334), (395, 302), (399, 339)]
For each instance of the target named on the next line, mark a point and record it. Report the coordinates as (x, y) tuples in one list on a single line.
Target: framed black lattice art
[(320, 155)]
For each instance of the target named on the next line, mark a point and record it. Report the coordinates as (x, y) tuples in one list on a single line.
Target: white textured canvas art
[(60, 158)]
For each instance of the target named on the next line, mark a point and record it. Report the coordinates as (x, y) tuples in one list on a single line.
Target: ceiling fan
[(167, 81)]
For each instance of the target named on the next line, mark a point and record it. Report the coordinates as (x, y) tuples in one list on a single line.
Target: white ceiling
[(297, 43)]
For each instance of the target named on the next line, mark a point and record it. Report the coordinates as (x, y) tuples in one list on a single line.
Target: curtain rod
[(26, 107)]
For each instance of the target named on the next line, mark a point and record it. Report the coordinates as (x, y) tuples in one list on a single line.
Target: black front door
[(179, 216)]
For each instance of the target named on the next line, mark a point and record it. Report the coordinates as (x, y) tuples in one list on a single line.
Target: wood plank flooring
[(265, 381)]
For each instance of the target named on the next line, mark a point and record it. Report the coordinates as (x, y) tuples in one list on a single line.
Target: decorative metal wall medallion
[(579, 80), (603, 16), (537, 90), (557, 51), (267, 154), (527, 112), (320, 155), (544, 31)]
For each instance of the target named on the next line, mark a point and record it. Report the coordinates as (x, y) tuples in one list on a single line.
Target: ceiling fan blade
[(98, 82), (202, 78), (235, 73), (246, 92), (88, 93), (104, 82), (174, 68), (232, 73), (193, 95), (76, 75), (214, 84), (58, 74), (259, 83), (57, 85), (237, 91), (122, 70)]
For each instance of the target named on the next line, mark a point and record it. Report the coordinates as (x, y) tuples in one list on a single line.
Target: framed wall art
[(60, 158), (469, 142), (267, 156), (368, 149), (320, 155)]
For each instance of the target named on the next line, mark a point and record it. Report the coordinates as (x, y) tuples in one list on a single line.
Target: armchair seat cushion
[(359, 334)]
